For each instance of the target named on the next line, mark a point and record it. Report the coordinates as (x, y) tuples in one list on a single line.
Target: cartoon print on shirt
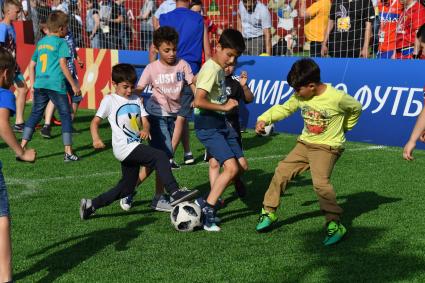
[(128, 119), (316, 121)]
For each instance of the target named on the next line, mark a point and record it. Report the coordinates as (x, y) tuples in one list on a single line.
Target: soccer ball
[(268, 130), (186, 216)]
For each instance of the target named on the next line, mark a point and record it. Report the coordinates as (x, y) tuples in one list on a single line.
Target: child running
[(328, 113), (7, 109), (167, 76), (126, 115), (220, 140), (49, 62)]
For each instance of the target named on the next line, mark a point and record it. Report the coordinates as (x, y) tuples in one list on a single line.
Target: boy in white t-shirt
[(126, 115), (167, 76)]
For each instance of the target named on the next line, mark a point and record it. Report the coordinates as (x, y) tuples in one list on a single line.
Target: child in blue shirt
[(7, 109), (12, 8)]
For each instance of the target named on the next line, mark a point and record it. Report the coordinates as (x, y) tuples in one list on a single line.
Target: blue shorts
[(4, 200), (74, 98), (222, 144), (186, 100), (161, 130)]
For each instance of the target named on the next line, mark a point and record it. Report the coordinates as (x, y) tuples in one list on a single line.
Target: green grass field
[(380, 192)]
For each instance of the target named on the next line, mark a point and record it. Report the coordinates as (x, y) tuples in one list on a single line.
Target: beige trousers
[(320, 159)]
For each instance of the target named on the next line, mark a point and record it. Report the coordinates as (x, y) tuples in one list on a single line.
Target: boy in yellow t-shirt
[(328, 113)]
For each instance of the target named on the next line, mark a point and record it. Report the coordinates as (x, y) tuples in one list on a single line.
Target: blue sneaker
[(127, 202), (209, 219)]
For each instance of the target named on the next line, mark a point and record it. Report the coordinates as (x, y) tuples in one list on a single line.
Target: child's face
[(229, 70), (306, 91), (63, 31), (196, 8), (13, 12), (167, 53), (124, 88), (226, 57)]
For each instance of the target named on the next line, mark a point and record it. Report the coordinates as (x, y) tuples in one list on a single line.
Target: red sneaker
[(56, 121)]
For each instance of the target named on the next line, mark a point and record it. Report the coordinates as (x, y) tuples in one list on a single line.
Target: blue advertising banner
[(391, 92)]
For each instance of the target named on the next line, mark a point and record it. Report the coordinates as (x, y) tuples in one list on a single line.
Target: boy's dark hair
[(303, 72), (57, 20), (421, 33), (7, 62), (124, 73), (165, 34), (231, 38), (195, 3)]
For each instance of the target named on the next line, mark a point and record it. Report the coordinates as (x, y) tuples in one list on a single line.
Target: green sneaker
[(335, 231), (266, 220)]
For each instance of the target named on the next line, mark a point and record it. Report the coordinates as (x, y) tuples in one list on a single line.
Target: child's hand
[(145, 135), (76, 89), (260, 127), (408, 150), (230, 104), (28, 155), (422, 137), (80, 63), (98, 144), (243, 78)]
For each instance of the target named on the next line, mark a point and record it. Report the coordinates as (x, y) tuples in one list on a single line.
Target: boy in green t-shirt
[(48, 82), (328, 113)]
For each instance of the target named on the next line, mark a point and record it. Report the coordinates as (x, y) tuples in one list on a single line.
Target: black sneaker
[(174, 165), (70, 157), (86, 208), (46, 131), (19, 128), (240, 188), (188, 159), (181, 195)]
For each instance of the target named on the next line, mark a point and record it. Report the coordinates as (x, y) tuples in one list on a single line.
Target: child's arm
[(352, 109), (32, 75), (8, 136), (279, 112), (94, 131), (68, 76), (248, 95), (145, 133), (417, 132), (201, 101)]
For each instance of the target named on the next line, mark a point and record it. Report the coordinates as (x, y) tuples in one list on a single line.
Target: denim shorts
[(4, 200), (186, 100), (222, 144), (161, 130)]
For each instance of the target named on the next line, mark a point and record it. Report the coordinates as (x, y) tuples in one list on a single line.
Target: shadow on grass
[(108, 145), (361, 257), (256, 141), (80, 248)]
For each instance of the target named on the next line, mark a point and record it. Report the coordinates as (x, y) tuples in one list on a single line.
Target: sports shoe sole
[(83, 204), (189, 161), (46, 136), (189, 196), (160, 209), (124, 206), (214, 228)]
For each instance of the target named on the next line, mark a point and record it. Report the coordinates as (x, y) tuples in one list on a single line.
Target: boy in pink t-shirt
[(167, 76)]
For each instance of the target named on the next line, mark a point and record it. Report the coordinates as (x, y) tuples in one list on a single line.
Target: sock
[(188, 153)]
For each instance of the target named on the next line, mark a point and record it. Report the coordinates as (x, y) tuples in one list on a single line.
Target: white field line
[(32, 184)]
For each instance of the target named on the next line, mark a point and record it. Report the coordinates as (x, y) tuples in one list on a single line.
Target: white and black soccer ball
[(268, 130), (186, 216)]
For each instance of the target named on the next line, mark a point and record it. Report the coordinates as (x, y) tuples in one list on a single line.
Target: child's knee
[(232, 168), (214, 164), (243, 164)]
